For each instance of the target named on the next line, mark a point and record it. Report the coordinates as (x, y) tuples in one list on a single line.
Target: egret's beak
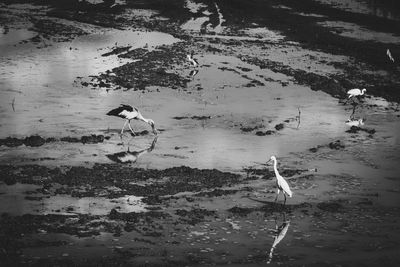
[(267, 163)]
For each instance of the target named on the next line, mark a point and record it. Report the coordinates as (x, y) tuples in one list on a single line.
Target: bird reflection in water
[(280, 233), (131, 156), (355, 122), (193, 73)]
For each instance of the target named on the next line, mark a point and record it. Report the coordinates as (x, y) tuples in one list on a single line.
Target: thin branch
[(298, 124), (13, 104)]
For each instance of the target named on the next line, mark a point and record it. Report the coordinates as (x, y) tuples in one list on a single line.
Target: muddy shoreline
[(272, 79)]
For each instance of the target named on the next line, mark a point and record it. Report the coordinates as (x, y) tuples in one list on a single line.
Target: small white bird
[(192, 60), (281, 182), (130, 113), (356, 92), (389, 55), (357, 123)]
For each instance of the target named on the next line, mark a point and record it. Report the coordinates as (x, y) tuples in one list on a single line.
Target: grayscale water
[(42, 93)]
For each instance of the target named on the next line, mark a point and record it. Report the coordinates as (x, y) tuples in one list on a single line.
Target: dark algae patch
[(36, 140), (215, 216)]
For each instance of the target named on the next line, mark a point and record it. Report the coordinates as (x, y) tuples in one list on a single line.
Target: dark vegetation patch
[(217, 193), (50, 29), (336, 145), (155, 68), (195, 117), (330, 206), (194, 216), (264, 133), (117, 50), (268, 207), (279, 126), (356, 129), (104, 178), (247, 129), (268, 173), (36, 140)]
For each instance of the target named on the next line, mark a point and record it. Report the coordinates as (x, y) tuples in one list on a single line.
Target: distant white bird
[(130, 113), (389, 55), (192, 60), (131, 157), (281, 182), (357, 123), (356, 92)]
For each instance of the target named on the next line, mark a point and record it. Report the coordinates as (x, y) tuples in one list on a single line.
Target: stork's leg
[(122, 131), (129, 124)]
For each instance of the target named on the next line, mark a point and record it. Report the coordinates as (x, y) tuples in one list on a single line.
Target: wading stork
[(130, 113)]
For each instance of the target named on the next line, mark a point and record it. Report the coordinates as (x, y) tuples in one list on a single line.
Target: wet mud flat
[(185, 216), (272, 79)]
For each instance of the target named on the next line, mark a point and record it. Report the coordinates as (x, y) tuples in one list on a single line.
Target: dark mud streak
[(155, 68), (36, 140), (180, 179)]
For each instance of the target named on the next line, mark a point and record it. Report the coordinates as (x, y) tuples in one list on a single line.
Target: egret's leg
[(284, 202), (129, 124), (123, 127), (277, 194)]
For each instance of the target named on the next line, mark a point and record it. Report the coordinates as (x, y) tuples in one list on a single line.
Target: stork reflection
[(280, 233), (131, 156)]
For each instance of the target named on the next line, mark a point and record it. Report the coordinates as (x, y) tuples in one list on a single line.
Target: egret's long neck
[(275, 169)]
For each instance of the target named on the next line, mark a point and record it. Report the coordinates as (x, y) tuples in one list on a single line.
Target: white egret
[(356, 92), (389, 55), (192, 60), (281, 182)]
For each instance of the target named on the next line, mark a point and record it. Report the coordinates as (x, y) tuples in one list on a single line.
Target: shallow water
[(42, 94), (384, 9), (355, 31)]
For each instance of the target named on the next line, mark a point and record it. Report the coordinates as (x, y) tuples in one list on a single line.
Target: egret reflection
[(280, 233), (355, 122), (131, 156), (193, 73)]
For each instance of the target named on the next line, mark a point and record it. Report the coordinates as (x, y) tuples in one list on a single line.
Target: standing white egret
[(192, 60), (356, 92), (389, 55), (281, 182), (130, 113)]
